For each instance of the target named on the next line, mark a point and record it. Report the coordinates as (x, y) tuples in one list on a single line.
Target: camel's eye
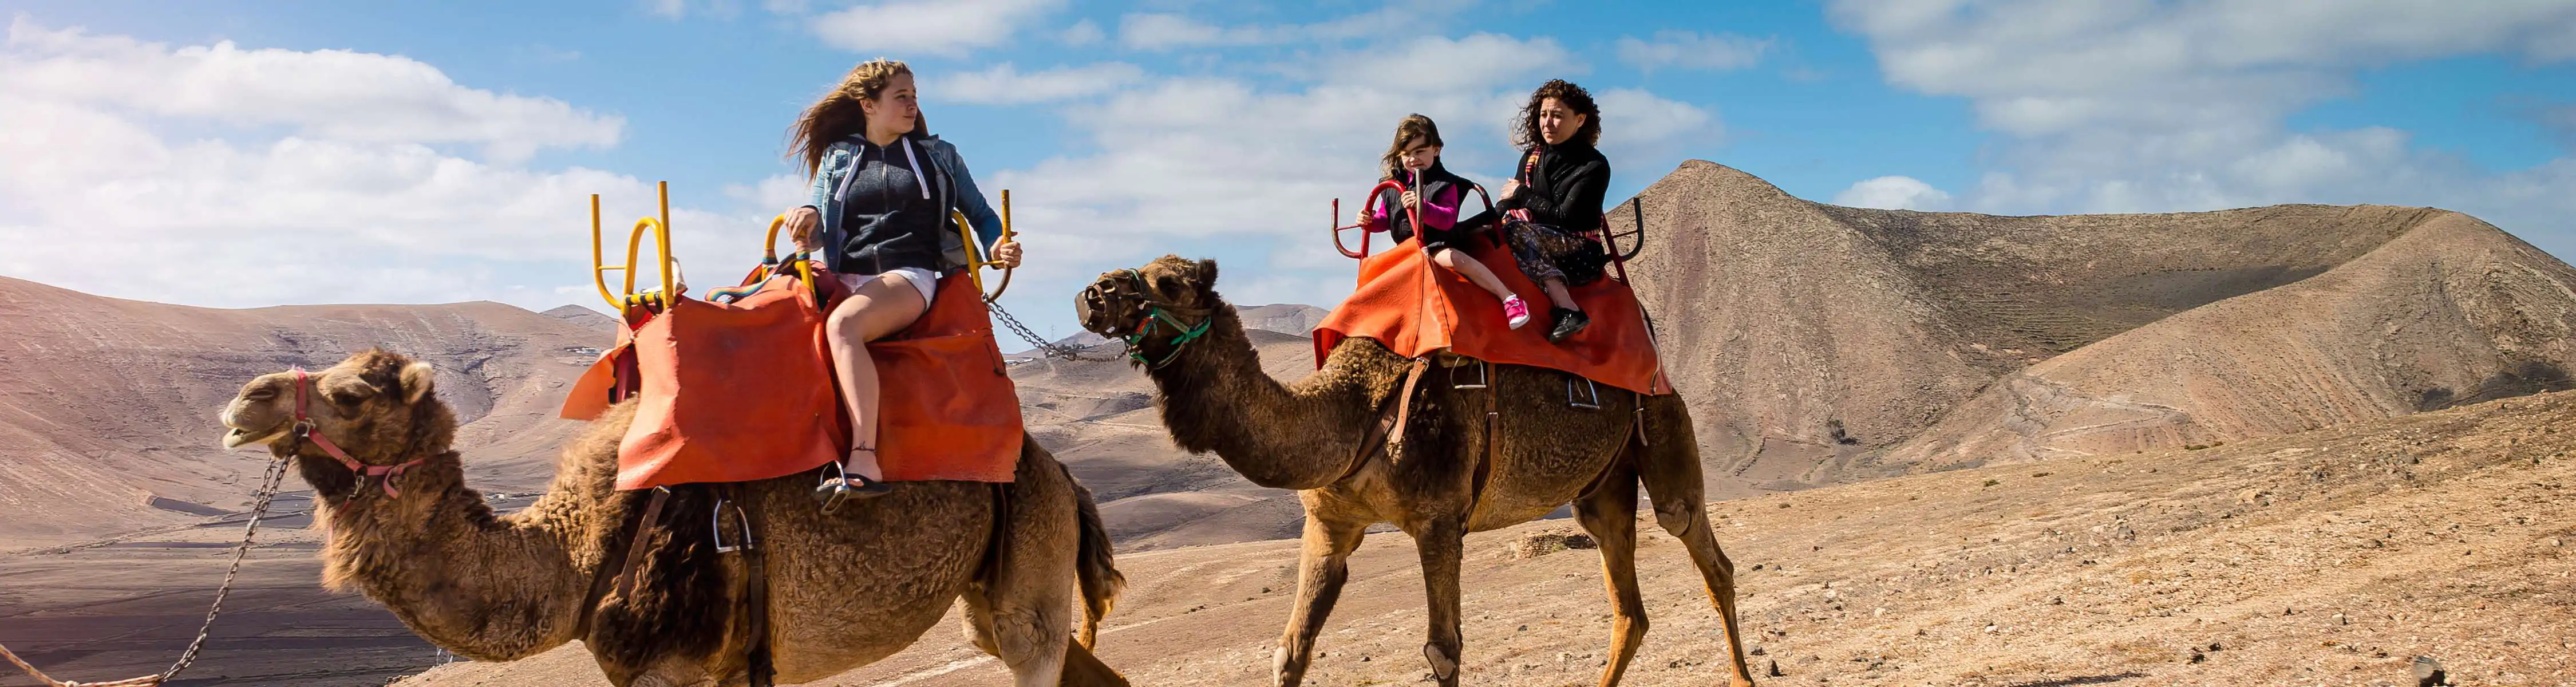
[(1168, 285), (260, 393)]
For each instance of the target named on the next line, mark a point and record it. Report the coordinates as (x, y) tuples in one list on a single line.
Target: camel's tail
[(1101, 581)]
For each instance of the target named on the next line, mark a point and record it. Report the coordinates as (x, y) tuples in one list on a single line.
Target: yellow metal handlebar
[(769, 252), (975, 262), (661, 227)]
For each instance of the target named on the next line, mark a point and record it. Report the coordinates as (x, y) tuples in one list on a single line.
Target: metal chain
[(1048, 348), (259, 508)]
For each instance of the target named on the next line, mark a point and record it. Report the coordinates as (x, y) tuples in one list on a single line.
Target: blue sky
[(256, 153)]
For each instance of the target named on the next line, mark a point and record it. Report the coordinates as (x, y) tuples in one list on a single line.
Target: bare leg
[(1321, 569), (1474, 270), (1668, 464), (1610, 514), (883, 305)]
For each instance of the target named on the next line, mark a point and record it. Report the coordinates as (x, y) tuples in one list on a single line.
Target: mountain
[(1821, 344), (107, 406)]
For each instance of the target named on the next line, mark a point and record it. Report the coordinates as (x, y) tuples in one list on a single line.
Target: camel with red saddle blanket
[(1440, 445), (844, 589)]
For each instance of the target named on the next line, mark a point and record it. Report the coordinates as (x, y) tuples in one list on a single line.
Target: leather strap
[(1404, 399), (635, 543), (763, 669), (1493, 439)]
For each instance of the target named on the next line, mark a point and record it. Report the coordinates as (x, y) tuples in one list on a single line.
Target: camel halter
[(1159, 314), (303, 431)]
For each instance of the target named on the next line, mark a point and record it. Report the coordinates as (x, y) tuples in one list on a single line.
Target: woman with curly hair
[(1555, 196), (882, 192)]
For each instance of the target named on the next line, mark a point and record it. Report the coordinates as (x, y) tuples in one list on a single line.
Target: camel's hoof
[(1443, 668), (1279, 667)]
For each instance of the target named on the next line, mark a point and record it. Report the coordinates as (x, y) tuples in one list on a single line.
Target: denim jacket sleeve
[(834, 166), (970, 200)]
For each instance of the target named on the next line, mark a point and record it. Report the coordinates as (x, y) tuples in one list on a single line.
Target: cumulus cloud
[(1003, 84), (1692, 50), (2139, 106), (938, 27), (332, 94), (353, 201), (1893, 193)]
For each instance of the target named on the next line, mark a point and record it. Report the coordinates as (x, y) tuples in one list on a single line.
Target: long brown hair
[(1413, 127), (838, 114), (1575, 98)]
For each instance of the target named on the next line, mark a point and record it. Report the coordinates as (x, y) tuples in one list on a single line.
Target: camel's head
[(375, 405), (1123, 304)]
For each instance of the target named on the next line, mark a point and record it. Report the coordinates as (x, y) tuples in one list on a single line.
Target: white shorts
[(922, 280)]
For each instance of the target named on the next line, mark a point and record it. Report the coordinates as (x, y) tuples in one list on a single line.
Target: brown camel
[(846, 589), (1435, 478)]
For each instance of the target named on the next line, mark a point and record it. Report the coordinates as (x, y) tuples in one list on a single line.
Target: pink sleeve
[(1371, 217), (1438, 216)]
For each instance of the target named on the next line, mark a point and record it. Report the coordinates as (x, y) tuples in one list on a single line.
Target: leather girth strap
[(1389, 428), (755, 595), (1493, 438), (635, 544)]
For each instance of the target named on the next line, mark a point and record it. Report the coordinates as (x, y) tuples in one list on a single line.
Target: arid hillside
[(1825, 344), (107, 403), (2333, 556)]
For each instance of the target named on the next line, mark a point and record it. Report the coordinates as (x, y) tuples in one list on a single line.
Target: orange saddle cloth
[(742, 391), (1415, 308)]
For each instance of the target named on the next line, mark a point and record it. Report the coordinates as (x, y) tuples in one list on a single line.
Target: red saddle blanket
[(1415, 308), (742, 391)]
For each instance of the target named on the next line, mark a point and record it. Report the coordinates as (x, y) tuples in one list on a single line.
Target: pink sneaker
[(1516, 311)]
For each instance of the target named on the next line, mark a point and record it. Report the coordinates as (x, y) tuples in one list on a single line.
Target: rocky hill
[(107, 406), (1827, 344)]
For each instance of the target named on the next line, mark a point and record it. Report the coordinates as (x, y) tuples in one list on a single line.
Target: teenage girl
[(1414, 161)]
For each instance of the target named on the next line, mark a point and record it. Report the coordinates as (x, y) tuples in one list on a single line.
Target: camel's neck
[(487, 588), (1303, 436)]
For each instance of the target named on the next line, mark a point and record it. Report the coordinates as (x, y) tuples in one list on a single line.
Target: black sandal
[(839, 485)]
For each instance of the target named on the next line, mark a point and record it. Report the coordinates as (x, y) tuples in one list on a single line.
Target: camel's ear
[(1205, 275), (416, 379)]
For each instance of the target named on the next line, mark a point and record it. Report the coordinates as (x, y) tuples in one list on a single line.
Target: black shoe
[(1566, 324)]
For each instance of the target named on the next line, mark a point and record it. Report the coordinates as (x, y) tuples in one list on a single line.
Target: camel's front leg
[(1668, 464), (1443, 546), (1322, 566), (1610, 514)]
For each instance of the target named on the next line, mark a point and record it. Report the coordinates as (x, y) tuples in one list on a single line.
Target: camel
[(1430, 477), (846, 589)]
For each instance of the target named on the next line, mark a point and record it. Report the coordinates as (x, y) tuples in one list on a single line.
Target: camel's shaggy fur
[(845, 589), (1433, 479)]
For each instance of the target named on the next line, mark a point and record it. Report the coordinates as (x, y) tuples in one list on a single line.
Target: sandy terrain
[(2329, 557)]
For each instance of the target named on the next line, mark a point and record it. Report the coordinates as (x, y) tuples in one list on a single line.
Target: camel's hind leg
[(1322, 566), (1668, 464), (1609, 512), (1443, 546), (1022, 612)]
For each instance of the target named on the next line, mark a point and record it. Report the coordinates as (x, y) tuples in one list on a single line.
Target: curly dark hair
[(1527, 134)]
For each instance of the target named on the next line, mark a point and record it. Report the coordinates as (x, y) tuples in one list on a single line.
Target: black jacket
[(1435, 183), (1561, 186)]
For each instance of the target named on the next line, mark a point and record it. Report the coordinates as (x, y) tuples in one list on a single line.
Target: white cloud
[(1084, 33), (333, 94), (1441, 64), (2139, 106), (939, 27), (680, 9), (352, 203), (1168, 31), (1893, 193), (1003, 84), (1692, 50)]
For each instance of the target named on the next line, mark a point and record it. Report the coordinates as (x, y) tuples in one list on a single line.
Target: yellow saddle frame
[(660, 225)]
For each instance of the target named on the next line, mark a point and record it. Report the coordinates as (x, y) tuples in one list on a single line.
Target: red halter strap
[(304, 431)]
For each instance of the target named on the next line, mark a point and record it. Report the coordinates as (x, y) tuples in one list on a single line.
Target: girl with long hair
[(1554, 197), (1413, 161), (881, 194)]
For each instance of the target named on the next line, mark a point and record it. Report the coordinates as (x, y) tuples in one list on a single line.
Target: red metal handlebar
[(1414, 214)]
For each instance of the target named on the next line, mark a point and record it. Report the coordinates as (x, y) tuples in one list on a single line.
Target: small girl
[(1429, 189)]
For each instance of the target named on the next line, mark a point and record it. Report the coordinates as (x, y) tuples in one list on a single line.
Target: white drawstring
[(917, 177)]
